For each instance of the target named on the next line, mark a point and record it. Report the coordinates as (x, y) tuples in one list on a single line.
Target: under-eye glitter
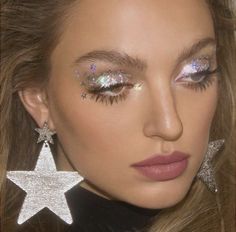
[(138, 86)]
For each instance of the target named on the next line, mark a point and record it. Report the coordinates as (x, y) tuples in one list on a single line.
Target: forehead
[(160, 26)]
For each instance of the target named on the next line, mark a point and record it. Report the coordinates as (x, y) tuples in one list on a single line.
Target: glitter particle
[(138, 86), (77, 73), (93, 68)]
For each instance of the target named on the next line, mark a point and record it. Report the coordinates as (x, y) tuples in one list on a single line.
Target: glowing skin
[(160, 45)]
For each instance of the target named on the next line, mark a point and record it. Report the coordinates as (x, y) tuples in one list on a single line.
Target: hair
[(30, 30)]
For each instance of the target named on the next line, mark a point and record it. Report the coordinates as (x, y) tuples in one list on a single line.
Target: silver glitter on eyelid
[(197, 65), (106, 80)]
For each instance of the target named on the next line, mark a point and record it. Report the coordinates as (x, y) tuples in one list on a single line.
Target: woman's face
[(161, 57)]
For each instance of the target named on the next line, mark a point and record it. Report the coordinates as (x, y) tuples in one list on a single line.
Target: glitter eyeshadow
[(197, 65), (106, 80)]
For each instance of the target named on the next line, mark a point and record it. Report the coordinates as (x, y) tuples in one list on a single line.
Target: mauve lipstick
[(160, 167)]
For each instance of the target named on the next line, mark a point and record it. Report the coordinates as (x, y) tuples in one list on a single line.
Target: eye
[(108, 87), (113, 90), (197, 75)]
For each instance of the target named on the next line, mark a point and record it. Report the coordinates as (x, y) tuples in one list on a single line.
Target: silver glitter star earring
[(45, 187), (205, 173)]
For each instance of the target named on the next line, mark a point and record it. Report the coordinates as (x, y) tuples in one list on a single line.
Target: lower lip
[(163, 172)]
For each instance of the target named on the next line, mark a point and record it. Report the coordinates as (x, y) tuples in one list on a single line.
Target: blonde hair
[(30, 32)]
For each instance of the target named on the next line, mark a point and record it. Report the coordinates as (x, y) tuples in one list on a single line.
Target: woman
[(140, 95)]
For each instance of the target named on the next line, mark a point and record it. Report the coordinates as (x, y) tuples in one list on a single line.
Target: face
[(129, 80)]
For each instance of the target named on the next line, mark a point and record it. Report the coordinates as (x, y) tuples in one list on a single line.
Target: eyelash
[(205, 83), (97, 95)]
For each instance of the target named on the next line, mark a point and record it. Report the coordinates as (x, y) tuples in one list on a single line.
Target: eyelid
[(106, 79), (196, 66)]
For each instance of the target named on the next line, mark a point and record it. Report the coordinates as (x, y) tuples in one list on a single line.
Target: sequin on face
[(83, 96), (93, 68), (197, 65)]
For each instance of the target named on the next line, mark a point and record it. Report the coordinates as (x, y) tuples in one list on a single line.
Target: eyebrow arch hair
[(114, 57), (195, 48), (118, 58)]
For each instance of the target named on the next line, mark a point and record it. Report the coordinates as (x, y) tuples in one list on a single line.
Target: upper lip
[(162, 159)]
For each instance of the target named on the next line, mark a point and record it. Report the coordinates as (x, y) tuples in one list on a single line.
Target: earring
[(205, 172), (45, 187)]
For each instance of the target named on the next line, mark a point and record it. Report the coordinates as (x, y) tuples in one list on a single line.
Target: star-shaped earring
[(205, 172), (45, 187), (45, 134)]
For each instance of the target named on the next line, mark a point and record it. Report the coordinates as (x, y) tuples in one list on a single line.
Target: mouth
[(160, 167)]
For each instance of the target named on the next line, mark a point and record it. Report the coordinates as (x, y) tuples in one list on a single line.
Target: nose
[(162, 119)]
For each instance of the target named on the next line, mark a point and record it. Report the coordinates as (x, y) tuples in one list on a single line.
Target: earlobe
[(35, 102)]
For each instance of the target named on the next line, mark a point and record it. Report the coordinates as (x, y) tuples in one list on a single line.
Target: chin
[(158, 199), (167, 203)]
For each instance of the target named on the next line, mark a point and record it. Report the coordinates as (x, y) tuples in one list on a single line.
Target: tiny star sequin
[(83, 95), (93, 68)]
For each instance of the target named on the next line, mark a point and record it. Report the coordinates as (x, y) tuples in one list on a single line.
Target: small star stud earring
[(45, 134), (45, 187)]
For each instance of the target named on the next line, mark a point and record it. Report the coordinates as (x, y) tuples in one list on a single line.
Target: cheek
[(90, 132), (197, 111)]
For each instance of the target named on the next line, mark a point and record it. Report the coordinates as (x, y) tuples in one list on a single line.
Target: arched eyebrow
[(123, 59), (114, 57), (195, 48)]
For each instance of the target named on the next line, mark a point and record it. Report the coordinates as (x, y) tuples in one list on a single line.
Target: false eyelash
[(207, 81)]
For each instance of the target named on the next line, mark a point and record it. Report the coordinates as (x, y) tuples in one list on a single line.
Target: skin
[(102, 141)]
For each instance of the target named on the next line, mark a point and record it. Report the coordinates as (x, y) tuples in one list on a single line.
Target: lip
[(160, 167)]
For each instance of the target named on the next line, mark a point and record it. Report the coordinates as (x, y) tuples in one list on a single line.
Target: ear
[(35, 102)]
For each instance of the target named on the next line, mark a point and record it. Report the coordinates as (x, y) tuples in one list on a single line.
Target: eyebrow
[(195, 48), (114, 57), (123, 59)]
